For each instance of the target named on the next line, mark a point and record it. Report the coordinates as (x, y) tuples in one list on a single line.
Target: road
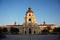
[(32, 37)]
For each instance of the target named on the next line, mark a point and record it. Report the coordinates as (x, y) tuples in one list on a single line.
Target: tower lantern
[(29, 10), (14, 23)]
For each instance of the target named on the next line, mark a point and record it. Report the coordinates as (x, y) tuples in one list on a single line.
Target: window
[(29, 19), (29, 14)]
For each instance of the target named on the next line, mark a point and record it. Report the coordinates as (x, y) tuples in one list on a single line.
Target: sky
[(15, 10)]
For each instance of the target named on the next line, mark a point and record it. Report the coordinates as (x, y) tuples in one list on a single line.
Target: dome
[(29, 10)]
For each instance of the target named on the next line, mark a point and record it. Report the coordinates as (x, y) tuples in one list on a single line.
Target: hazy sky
[(15, 10)]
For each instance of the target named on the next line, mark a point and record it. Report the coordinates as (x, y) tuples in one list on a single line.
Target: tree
[(5, 30), (0, 30), (56, 31), (2, 35), (14, 30), (45, 31)]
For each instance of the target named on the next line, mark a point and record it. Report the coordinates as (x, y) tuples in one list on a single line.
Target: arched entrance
[(34, 32), (29, 30), (25, 32)]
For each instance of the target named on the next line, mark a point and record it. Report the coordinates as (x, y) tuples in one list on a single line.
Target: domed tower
[(29, 17), (14, 23)]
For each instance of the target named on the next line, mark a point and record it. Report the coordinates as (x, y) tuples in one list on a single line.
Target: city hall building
[(30, 25)]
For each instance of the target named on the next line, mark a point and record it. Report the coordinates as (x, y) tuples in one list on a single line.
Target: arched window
[(29, 19), (29, 14)]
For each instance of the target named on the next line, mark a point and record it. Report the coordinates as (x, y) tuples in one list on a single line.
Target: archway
[(29, 30), (34, 32), (25, 32)]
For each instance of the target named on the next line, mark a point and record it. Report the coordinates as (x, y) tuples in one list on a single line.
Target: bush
[(5, 30), (14, 30)]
